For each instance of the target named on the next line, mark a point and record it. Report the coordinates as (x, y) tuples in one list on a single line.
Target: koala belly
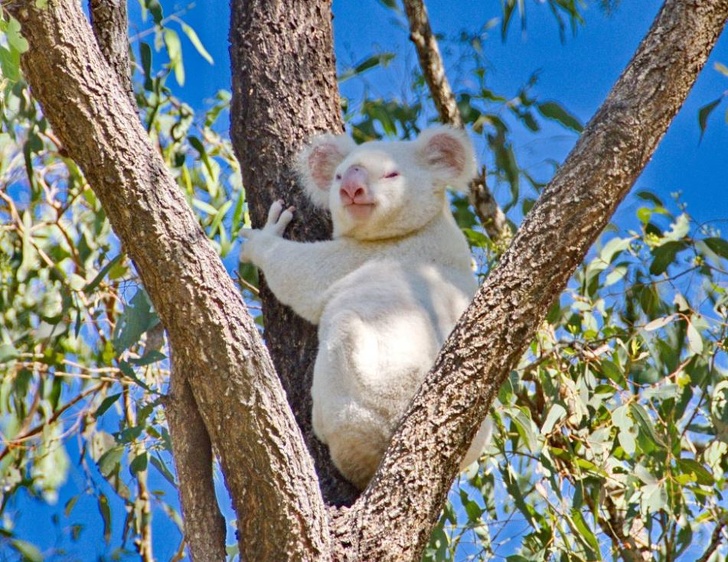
[(379, 335)]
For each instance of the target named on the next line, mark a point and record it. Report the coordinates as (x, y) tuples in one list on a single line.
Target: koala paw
[(278, 218), (275, 225)]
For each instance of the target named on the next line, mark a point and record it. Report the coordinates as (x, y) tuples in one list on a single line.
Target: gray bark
[(204, 525), (110, 23), (205, 529)]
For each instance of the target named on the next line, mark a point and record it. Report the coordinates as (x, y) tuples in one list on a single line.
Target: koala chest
[(380, 331)]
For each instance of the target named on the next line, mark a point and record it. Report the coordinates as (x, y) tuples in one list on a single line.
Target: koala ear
[(317, 163), (448, 153)]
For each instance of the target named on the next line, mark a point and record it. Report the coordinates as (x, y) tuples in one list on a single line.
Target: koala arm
[(298, 273)]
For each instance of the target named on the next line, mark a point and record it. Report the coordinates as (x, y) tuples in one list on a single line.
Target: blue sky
[(578, 73)]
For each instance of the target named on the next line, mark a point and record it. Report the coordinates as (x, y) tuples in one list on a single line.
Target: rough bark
[(281, 515), (205, 527), (205, 530), (489, 212), (496, 329), (284, 92), (110, 23)]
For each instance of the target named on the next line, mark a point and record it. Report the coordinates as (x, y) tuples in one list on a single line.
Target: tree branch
[(281, 515), (497, 328), (204, 523), (110, 23), (205, 532), (715, 539), (489, 212)]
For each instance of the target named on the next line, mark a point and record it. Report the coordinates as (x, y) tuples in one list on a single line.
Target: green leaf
[(15, 39), (163, 470), (381, 59), (556, 414), (645, 424), (613, 372), (616, 275), (200, 148), (665, 255), (654, 498), (100, 276), (152, 356), (110, 461), (106, 404), (139, 464), (128, 371), (701, 474), (137, 318), (627, 442), (174, 50), (10, 64), (29, 551), (237, 220), (718, 245), (105, 511), (8, 353), (705, 112), (526, 428), (658, 323), (613, 248), (649, 196), (555, 112), (195, 40), (695, 340), (156, 10), (145, 54), (585, 534), (219, 216)]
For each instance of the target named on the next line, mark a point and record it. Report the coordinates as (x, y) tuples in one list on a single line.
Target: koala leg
[(356, 458)]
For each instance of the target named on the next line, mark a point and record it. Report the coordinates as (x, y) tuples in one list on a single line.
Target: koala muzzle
[(353, 190)]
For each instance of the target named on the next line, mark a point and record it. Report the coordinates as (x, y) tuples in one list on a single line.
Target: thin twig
[(715, 539), (489, 212)]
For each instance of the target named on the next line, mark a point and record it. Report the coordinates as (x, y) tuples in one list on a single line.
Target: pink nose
[(354, 185)]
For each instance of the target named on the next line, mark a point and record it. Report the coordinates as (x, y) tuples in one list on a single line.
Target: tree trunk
[(284, 92)]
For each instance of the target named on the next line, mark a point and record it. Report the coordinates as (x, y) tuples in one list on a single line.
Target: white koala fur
[(385, 292)]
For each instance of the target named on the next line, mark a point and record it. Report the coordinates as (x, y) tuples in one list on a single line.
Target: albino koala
[(385, 292)]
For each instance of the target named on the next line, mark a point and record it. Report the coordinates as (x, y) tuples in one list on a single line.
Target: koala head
[(380, 189)]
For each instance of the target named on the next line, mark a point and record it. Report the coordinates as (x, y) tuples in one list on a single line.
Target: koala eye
[(391, 175)]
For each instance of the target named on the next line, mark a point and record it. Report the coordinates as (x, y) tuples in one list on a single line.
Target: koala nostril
[(352, 192)]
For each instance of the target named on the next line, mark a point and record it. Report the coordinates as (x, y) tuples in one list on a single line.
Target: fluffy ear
[(449, 154), (317, 163)]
